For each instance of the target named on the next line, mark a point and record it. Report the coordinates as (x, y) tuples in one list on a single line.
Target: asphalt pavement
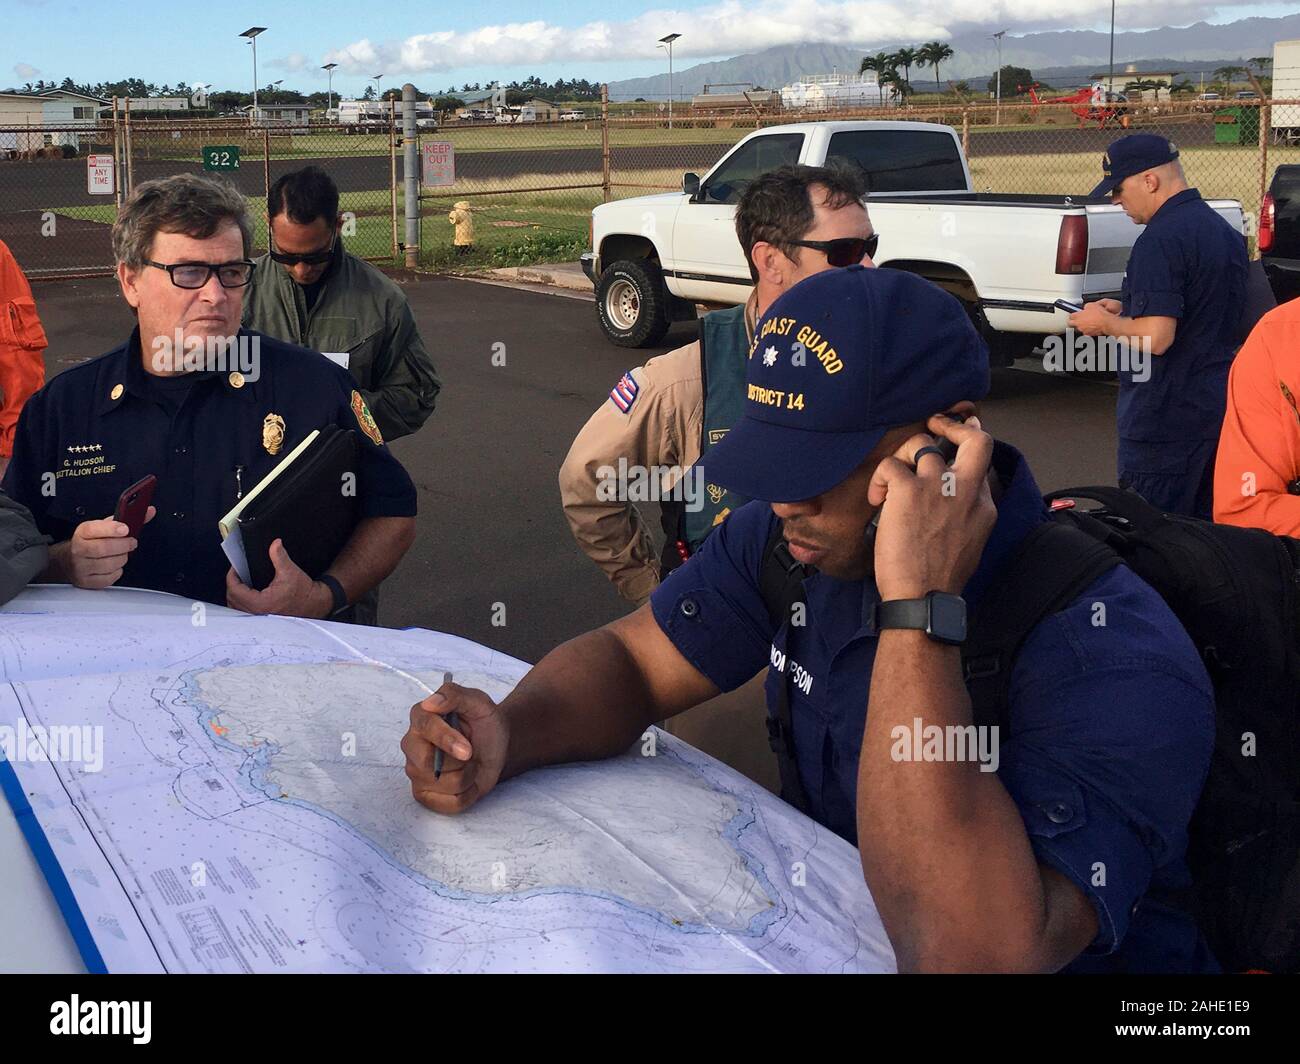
[(490, 528)]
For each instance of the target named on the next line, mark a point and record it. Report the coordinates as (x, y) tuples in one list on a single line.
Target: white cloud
[(730, 28), (26, 70), (293, 62)]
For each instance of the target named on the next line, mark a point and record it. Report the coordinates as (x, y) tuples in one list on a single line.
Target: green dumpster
[(1236, 125)]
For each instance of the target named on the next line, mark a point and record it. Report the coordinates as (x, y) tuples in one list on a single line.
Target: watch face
[(947, 617)]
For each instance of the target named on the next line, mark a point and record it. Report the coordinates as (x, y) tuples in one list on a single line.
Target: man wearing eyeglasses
[(168, 403), (793, 222), (309, 291)]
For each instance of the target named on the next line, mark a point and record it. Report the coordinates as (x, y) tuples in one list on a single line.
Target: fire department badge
[(366, 419), (273, 433)]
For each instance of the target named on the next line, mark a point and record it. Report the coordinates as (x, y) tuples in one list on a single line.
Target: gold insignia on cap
[(715, 493), (116, 393), (272, 432), (236, 380)]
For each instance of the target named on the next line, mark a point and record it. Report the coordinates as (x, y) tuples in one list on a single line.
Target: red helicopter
[(1092, 105)]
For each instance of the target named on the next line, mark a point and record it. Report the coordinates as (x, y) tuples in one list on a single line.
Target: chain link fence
[(530, 186)]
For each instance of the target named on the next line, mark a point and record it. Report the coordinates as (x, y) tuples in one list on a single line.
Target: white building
[(824, 92)]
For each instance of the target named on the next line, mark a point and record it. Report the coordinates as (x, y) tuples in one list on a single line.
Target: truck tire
[(632, 303)]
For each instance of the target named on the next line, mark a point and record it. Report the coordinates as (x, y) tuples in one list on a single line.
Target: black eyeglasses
[(312, 258), (845, 251), (196, 274)]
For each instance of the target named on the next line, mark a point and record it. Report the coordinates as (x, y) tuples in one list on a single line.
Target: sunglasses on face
[(845, 251), (196, 274), (312, 258)]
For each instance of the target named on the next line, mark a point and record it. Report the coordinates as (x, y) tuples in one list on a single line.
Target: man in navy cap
[(1183, 296), (1033, 856)]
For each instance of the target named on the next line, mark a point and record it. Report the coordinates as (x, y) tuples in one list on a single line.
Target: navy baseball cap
[(1132, 155), (837, 361)]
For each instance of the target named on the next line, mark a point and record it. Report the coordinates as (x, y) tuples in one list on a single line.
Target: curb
[(558, 278)]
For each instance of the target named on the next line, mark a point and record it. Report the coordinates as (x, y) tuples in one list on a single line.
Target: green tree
[(880, 63), (932, 55), (1227, 74), (448, 103), (1015, 81), (907, 58)]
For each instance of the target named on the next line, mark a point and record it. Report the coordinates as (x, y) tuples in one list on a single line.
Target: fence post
[(126, 134), (118, 175), (604, 141), (411, 175), (392, 169), (266, 179), (965, 133), (1264, 119)]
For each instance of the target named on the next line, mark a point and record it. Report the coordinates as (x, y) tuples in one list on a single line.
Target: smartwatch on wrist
[(939, 615), (336, 590)]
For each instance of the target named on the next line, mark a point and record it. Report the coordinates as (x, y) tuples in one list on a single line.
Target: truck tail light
[(1267, 217), (1072, 244)]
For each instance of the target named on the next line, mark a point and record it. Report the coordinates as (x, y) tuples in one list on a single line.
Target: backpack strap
[(1139, 515), (781, 585), (1054, 565)]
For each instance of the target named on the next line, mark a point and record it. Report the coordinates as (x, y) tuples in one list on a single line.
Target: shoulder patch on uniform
[(625, 392), (365, 419)]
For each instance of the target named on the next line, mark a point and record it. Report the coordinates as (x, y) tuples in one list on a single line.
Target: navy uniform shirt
[(1111, 728), (1190, 264), (101, 426)]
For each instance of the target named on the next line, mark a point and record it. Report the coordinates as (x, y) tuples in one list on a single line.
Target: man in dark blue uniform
[(1184, 293), (207, 409), (1036, 859)]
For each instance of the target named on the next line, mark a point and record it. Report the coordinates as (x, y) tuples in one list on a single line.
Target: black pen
[(453, 720)]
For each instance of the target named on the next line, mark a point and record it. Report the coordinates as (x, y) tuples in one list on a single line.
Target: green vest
[(724, 351)]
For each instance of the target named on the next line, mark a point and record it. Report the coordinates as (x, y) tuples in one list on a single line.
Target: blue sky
[(414, 40)]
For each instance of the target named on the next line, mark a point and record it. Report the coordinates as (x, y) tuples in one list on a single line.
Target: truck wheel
[(632, 303)]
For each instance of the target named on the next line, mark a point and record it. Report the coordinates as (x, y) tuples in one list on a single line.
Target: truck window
[(902, 160), (756, 157)]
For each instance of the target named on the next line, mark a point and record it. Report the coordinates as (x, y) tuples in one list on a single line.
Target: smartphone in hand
[(1067, 306), (133, 504)]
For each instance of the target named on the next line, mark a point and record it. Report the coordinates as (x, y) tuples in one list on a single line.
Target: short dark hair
[(195, 205), (776, 207), (304, 195)]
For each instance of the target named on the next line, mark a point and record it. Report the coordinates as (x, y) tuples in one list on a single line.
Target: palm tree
[(1260, 63), (906, 58), (880, 62), (1227, 74), (933, 54)]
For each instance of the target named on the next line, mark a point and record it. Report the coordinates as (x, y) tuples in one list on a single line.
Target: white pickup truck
[(1007, 257)]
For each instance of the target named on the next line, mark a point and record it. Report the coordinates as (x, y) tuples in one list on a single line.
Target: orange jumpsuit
[(1257, 471), (22, 369)]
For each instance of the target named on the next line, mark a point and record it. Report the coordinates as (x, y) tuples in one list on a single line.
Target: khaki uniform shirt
[(661, 427)]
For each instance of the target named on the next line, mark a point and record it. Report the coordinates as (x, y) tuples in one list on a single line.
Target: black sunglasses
[(312, 258), (845, 251)]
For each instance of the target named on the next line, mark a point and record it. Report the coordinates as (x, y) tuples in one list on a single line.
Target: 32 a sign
[(221, 157)]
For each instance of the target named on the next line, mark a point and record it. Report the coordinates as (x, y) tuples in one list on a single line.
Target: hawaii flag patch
[(624, 393)]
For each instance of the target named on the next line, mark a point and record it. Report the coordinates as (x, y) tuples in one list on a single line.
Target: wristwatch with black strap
[(939, 615), (336, 590)]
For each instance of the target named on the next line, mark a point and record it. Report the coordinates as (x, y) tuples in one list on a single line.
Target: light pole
[(1111, 75), (251, 33), (329, 95), (668, 41), (375, 79), (997, 116)]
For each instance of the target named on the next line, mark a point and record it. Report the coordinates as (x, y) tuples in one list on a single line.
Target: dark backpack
[(1237, 593)]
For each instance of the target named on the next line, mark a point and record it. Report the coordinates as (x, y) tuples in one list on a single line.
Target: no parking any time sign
[(99, 175)]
